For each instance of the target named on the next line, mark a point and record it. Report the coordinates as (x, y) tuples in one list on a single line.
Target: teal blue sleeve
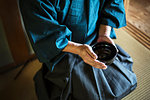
[(47, 36), (113, 14)]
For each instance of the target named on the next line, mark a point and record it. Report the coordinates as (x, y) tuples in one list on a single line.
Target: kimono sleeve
[(47, 36), (113, 13)]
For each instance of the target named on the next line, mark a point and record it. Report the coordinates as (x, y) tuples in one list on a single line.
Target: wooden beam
[(126, 5)]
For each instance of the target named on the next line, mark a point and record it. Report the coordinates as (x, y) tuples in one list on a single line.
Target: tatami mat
[(141, 66)]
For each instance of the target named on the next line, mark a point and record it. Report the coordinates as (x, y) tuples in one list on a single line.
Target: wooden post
[(126, 5)]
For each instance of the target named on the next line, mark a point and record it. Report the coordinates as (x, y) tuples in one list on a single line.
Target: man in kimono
[(61, 33)]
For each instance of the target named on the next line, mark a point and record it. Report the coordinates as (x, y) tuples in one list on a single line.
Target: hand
[(86, 53), (106, 39), (104, 33), (89, 57)]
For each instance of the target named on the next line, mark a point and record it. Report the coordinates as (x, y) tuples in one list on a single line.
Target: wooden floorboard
[(139, 14), (138, 22)]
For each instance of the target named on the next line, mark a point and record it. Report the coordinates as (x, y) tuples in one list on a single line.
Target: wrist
[(104, 30), (104, 35), (72, 47)]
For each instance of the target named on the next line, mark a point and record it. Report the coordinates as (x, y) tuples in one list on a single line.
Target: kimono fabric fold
[(75, 80)]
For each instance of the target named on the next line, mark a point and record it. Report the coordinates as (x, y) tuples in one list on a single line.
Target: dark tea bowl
[(106, 52)]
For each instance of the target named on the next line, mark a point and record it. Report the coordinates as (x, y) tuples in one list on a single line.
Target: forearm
[(104, 30), (72, 47), (104, 34)]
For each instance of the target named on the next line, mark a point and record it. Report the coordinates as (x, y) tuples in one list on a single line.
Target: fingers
[(90, 57), (97, 64), (90, 51)]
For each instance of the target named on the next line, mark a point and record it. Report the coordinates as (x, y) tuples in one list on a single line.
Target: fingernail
[(96, 56), (104, 67)]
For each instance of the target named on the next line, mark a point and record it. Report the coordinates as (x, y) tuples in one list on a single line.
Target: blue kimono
[(50, 24)]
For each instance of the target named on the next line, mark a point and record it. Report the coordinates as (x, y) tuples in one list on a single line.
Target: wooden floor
[(139, 15)]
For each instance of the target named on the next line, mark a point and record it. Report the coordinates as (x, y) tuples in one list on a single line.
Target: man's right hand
[(86, 53)]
